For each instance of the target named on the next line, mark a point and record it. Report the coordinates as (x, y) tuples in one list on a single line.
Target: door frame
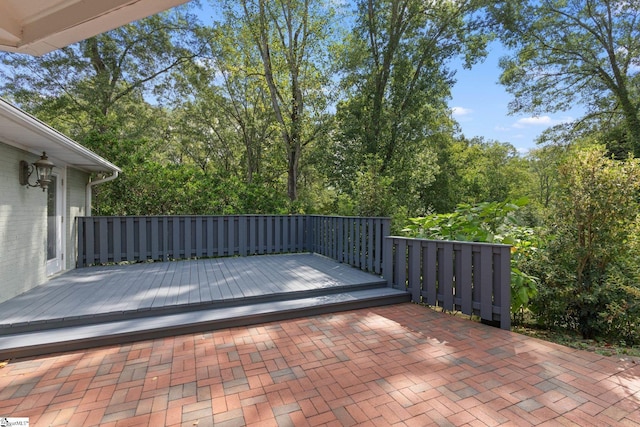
[(56, 264)]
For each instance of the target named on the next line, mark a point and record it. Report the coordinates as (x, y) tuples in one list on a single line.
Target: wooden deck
[(104, 305)]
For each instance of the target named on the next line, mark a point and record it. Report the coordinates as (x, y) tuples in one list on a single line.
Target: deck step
[(98, 318), (28, 344)]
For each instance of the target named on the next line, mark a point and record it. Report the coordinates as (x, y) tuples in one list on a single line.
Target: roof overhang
[(22, 130), (37, 27)]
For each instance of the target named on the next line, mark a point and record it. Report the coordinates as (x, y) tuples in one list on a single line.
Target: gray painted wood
[(445, 287), (161, 238), (414, 270), (401, 264), (430, 265), (503, 294), (486, 282), (472, 277), (98, 291), (464, 279), (129, 330)]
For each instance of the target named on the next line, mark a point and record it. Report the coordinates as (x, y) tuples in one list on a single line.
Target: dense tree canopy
[(575, 51), (105, 80), (397, 83)]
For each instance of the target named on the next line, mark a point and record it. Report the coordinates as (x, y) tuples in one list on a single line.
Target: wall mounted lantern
[(43, 168)]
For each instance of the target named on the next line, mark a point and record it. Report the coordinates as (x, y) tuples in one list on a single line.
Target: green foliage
[(288, 42), (396, 85), (373, 195), (102, 81), (492, 222), (487, 171), (594, 270), (574, 52), (151, 188)]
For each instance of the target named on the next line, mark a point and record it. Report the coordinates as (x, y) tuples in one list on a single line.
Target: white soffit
[(22, 130), (37, 27)]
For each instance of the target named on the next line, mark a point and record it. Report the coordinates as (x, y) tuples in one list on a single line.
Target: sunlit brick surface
[(395, 365)]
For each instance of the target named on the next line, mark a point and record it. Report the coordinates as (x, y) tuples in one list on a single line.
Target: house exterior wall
[(23, 227), (76, 184), (23, 224)]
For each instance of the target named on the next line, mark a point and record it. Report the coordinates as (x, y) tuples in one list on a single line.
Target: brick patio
[(394, 365)]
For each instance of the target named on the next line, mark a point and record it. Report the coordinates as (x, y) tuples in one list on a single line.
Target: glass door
[(54, 225)]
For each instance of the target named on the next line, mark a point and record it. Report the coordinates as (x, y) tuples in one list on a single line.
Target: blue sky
[(480, 106)]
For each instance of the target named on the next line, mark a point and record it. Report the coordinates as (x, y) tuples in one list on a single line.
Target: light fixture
[(43, 168)]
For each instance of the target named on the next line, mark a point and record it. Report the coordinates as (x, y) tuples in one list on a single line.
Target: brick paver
[(400, 365)]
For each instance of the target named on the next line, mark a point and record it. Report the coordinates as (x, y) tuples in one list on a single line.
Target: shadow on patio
[(395, 365)]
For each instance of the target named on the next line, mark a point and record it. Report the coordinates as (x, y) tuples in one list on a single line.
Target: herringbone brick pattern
[(401, 365)]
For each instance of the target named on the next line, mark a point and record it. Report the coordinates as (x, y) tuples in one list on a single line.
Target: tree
[(397, 82), (488, 171), (291, 38), (575, 51), (544, 163), (225, 105), (593, 222), (102, 81)]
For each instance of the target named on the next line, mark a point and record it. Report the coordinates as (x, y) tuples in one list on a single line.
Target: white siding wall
[(23, 222), (76, 187)]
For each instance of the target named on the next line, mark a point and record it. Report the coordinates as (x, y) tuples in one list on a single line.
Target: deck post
[(387, 260)]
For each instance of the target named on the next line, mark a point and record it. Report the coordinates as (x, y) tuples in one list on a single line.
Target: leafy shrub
[(591, 285), (492, 222)]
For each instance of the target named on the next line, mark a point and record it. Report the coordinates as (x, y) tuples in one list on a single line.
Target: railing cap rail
[(464, 242), (190, 216), (351, 216)]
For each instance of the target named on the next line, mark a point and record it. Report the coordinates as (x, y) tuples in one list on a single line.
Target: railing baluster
[(362, 226), (199, 235), (155, 236), (81, 259), (167, 237), (463, 279), (220, 235), (117, 239), (242, 235), (231, 236), (429, 272), (285, 234), (104, 241), (486, 282), (414, 270), (130, 234), (401, 264), (503, 292), (253, 235), (261, 234), (90, 230), (142, 239)]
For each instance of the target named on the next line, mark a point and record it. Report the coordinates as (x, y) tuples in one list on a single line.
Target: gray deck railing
[(105, 239), (352, 240), (357, 241), (473, 278)]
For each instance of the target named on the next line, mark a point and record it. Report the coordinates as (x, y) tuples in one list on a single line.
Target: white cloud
[(460, 111), (533, 121), (540, 121)]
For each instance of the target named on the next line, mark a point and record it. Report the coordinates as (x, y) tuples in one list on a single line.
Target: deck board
[(96, 291)]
